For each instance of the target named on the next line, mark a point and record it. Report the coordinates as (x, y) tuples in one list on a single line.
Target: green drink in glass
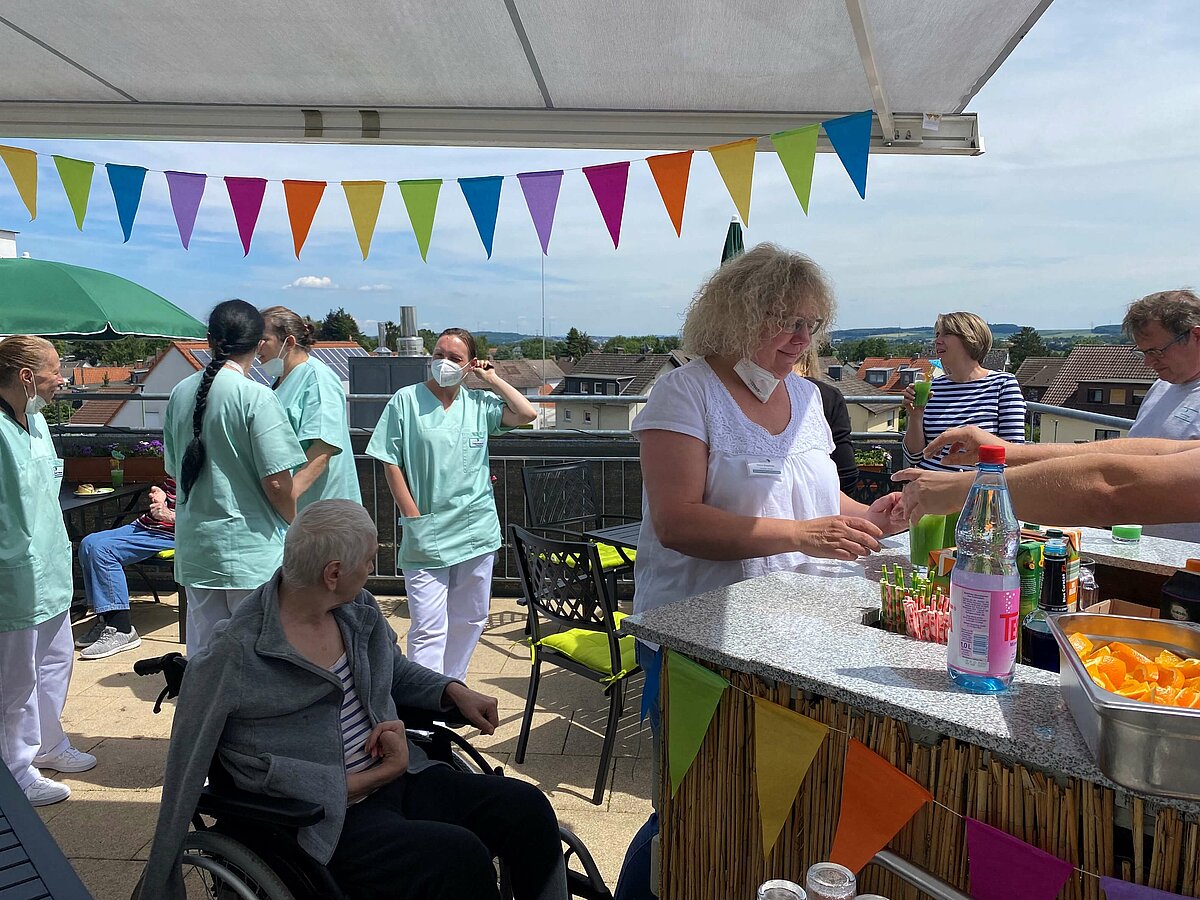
[(925, 536), (921, 390), (118, 477)]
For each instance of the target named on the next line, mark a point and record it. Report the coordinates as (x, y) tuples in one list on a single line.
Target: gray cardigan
[(275, 719)]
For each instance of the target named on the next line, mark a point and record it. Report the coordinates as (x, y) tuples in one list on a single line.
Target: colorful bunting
[(797, 151), (246, 197), (1115, 889), (364, 199), (302, 199), (420, 199), (483, 198), (651, 661), (22, 166), (694, 694), (1003, 866), (76, 176), (126, 183), (851, 139), (877, 800), (785, 744), (541, 196), (671, 171), (608, 184), (735, 162), (186, 189)]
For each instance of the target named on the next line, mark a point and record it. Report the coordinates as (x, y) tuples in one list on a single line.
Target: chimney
[(383, 349), (409, 343), (8, 244), (835, 373)]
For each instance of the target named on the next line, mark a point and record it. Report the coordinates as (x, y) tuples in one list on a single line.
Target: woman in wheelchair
[(297, 695)]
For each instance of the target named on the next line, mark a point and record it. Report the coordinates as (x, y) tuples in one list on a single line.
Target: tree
[(339, 325), (856, 351), (1025, 343), (578, 344)]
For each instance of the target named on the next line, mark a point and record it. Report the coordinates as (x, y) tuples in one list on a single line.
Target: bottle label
[(985, 619)]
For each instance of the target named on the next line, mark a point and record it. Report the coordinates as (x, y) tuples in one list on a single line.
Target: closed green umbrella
[(56, 300), (733, 241)]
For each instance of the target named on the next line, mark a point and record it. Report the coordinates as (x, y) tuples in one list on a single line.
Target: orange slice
[(1171, 677), (1147, 671), (1126, 653), (1098, 675), (1163, 696), (1188, 698), (1190, 668), (1082, 645), (1134, 690), (1112, 668), (1167, 658)]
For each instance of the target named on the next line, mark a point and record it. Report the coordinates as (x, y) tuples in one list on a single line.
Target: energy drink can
[(1029, 565)]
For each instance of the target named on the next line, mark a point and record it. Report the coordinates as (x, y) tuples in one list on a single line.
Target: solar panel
[(334, 357)]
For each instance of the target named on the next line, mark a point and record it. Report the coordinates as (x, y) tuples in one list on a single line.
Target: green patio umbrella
[(56, 300), (733, 241)]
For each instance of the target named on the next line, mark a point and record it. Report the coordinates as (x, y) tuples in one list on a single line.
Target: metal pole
[(919, 878)]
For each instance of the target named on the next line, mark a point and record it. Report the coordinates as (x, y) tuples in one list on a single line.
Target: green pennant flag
[(797, 150), (692, 698), (76, 175), (420, 199)]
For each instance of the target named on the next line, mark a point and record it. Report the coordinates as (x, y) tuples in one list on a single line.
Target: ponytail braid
[(194, 455)]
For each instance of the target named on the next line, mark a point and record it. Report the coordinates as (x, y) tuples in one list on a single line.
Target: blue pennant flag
[(126, 184), (651, 661), (483, 197), (851, 138)]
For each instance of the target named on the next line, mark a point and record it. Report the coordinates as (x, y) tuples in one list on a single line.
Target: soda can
[(1029, 565)]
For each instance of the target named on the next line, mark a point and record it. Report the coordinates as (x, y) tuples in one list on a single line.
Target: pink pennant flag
[(608, 185), (186, 189), (1115, 889), (246, 197), (1003, 867), (541, 196)]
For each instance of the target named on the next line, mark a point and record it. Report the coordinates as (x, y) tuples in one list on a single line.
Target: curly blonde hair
[(753, 297)]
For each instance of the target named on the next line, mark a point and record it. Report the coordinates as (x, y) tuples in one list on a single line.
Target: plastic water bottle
[(985, 586)]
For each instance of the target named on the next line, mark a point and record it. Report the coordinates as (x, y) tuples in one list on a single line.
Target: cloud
[(317, 282), (375, 287)]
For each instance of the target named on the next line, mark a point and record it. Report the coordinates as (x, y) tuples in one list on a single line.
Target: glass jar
[(781, 889), (829, 881)]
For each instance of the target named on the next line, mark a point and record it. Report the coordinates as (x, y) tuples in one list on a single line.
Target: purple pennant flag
[(608, 184), (186, 189), (541, 196), (1115, 889), (246, 197), (1003, 867)]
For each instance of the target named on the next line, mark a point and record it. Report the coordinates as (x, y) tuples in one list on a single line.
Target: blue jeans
[(104, 555)]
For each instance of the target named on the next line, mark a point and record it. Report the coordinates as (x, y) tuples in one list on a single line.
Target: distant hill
[(920, 333), (1107, 329)]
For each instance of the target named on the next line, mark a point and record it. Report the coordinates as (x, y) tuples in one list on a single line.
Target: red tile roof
[(895, 363), (1096, 363), (82, 376), (101, 412), (1039, 371)]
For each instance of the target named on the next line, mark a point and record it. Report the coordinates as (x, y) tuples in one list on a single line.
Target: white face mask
[(761, 382), (273, 368), (446, 373), (34, 404)]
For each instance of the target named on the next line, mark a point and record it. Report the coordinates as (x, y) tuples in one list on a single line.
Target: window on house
[(1107, 434), (584, 387), (599, 387), (1116, 396), (566, 415), (587, 418), (610, 389), (877, 377), (1095, 395), (1138, 397)]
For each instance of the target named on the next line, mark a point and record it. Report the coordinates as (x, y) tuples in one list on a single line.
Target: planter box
[(97, 469), (871, 468)]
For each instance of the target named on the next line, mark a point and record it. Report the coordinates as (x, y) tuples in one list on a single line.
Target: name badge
[(764, 468), (58, 468), (475, 443)]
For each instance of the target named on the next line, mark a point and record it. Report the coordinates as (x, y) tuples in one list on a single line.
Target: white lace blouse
[(751, 472)]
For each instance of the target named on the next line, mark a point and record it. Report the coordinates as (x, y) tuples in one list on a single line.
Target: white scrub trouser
[(448, 608), (207, 608), (35, 670)]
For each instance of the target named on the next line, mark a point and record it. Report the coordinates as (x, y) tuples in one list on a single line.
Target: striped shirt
[(994, 403), (356, 724), (148, 521)]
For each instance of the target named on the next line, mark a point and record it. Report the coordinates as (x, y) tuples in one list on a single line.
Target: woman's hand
[(394, 726), (888, 513), (929, 493), (485, 370), (478, 709), (839, 537), (910, 402), (387, 743), (964, 444)]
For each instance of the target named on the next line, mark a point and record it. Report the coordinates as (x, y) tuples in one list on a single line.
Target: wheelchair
[(243, 845)]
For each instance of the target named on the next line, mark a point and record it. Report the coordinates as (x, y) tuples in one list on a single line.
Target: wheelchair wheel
[(217, 867)]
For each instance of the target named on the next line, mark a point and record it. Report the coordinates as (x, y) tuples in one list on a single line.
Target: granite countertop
[(1160, 556)]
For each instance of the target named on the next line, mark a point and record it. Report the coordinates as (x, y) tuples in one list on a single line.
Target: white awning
[(652, 74)]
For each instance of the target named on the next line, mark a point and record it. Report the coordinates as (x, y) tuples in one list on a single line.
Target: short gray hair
[(1177, 311), (325, 531)]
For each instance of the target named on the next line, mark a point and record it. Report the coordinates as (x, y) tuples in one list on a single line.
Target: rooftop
[(1039, 371), (895, 363), (1096, 363), (850, 384), (640, 368)]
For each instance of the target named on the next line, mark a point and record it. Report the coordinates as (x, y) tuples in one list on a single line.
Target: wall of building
[(171, 370), (605, 417), (1061, 430), (863, 419)]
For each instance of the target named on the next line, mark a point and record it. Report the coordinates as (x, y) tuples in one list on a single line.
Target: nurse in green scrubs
[(315, 403), (432, 439), (36, 645)]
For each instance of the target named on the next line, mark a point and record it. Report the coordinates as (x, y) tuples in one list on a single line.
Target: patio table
[(623, 536), (124, 499)]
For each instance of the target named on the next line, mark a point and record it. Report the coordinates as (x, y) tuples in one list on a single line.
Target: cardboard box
[(1074, 550), (1124, 608), (940, 564)]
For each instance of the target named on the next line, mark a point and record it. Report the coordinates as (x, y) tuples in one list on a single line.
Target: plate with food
[(90, 490)]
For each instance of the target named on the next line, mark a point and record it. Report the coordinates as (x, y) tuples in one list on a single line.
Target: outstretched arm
[(964, 444)]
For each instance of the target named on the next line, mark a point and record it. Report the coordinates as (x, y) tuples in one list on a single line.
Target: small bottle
[(1038, 647), (781, 889), (985, 586), (829, 881)]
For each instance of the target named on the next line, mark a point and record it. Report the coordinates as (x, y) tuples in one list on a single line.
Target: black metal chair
[(31, 863), (871, 486), (563, 581)]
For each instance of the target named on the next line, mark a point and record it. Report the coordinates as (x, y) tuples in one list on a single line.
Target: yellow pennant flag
[(22, 166), (785, 744), (364, 199), (735, 162)]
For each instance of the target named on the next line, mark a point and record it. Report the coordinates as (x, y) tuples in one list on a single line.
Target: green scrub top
[(35, 552), (444, 456), (227, 533), (315, 403)]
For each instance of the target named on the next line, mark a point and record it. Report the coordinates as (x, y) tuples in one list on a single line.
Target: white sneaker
[(43, 792), (70, 760)]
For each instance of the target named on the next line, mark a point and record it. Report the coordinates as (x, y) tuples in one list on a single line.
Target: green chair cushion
[(611, 558), (165, 554), (590, 648)]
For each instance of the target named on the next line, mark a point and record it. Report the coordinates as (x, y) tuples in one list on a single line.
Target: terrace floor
[(106, 827)]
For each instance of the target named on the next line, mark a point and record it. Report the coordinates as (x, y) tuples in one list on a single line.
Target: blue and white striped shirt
[(994, 403), (356, 724)]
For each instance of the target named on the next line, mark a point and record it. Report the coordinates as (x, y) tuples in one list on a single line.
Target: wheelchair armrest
[(283, 811), (423, 719)]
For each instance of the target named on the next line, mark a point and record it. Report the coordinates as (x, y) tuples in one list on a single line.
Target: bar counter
[(1014, 760)]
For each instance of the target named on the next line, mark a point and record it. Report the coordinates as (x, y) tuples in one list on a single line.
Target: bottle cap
[(991, 454), (1056, 547), (1192, 565), (1127, 532)]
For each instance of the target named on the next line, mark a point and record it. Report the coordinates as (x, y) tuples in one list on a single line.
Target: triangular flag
[(694, 694), (364, 199), (302, 199), (1115, 889), (483, 197), (76, 175), (735, 162), (1003, 866), (22, 166), (186, 189), (670, 171), (851, 138), (651, 661), (246, 197), (797, 151), (541, 196), (877, 800), (126, 183), (785, 744), (608, 184), (420, 199)]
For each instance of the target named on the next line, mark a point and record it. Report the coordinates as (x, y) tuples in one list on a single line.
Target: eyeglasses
[(811, 325), (1157, 352)]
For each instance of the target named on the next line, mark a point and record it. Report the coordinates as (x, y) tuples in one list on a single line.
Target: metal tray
[(1142, 746)]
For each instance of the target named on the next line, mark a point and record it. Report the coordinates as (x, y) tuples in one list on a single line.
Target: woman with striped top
[(968, 394)]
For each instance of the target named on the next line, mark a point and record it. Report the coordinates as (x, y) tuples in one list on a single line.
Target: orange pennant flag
[(671, 171), (22, 166), (877, 801), (735, 162), (302, 198)]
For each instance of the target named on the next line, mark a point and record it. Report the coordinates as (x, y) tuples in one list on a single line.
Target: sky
[(1087, 198)]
